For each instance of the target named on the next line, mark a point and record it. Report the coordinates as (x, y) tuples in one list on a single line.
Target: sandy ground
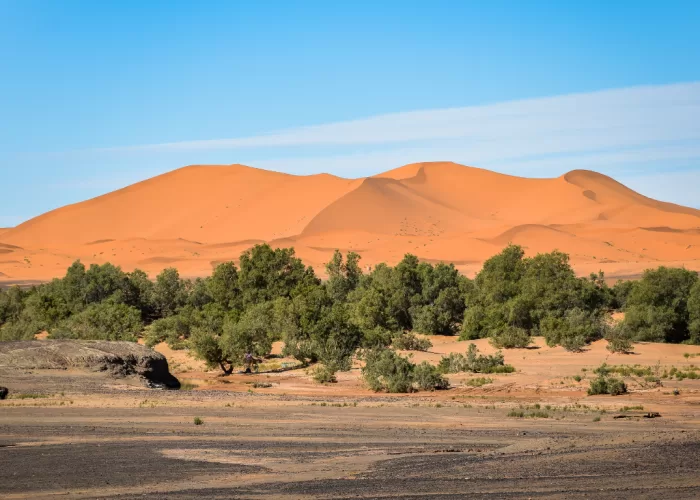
[(90, 436), (196, 217)]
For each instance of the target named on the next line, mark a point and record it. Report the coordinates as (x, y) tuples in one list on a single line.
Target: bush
[(619, 340), (474, 362), (427, 377), (23, 328), (574, 330), (510, 337), (607, 385), (385, 370), (198, 421), (479, 381), (324, 374), (411, 342)]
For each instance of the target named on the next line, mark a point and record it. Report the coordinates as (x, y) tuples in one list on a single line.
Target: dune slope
[(194, 217)]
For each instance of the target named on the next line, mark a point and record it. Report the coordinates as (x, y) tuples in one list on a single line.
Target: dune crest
[(197, 216)]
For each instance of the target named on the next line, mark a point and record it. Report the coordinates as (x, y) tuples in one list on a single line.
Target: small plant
[(516, 414), (619, 340), (187, 386), (324, 374), (261, 385), (479, 381), (577, 378), (596, 419), (411, 342), (198, 421), (604, 384)]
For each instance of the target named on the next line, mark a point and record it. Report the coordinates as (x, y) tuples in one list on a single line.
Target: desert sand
[(298, 439), (197, 216)]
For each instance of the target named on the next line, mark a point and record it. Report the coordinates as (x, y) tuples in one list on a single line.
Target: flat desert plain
[(530, 434), (198, 216)]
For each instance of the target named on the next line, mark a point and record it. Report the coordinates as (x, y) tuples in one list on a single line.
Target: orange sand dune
[(198, 216)]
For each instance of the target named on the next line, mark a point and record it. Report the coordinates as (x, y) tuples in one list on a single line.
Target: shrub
[(510, 337), (324, 374), (575, 329), (385, 370), (411, 342), (607, 385), (198, 421), (427, 377), (474, 362), (619, 340), (479, 381)]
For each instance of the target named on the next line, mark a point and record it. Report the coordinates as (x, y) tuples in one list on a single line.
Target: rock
[(4, 391), (118, 359), (652, 414)]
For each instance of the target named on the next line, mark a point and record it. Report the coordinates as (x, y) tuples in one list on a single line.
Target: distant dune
[(197, 216)]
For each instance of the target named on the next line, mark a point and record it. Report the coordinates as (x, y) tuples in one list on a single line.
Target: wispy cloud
[(570, 123)]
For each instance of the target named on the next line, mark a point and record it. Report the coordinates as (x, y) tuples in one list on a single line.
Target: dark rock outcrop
[(119, 359)]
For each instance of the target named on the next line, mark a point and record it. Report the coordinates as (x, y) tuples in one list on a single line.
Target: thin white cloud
[(575, 122)]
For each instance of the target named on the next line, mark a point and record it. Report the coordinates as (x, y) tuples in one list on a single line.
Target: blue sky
[(97, 95)]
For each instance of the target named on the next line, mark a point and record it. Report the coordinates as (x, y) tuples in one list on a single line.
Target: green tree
[(251, 334), (343, 276), (694, 313), (268, 274), (107, 320), (657, 307), (223, 286), (168, 292)]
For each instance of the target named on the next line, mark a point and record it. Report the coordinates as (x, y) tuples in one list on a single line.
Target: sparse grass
[(187, 386), (688, 355), (198, 421), (631, 408), (21, 395), (533, 414), (596, 419)]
